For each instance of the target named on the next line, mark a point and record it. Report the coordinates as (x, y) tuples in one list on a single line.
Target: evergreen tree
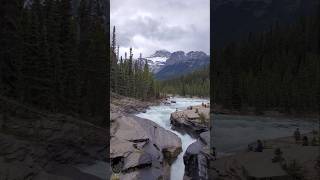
[(130, 77), (10, 52), (275, 69), (196, 83), (49, 62), (69, 79)]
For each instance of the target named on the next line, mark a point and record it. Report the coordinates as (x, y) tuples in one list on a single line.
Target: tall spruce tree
[(10, 52), (69, 79), (274, 69)]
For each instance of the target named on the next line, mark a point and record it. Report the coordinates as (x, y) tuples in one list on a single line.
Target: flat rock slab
[(163, 138), (130, 129)]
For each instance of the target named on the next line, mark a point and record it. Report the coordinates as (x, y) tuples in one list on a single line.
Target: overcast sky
[(150, 25)]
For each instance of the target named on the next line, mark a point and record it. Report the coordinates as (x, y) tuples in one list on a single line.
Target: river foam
[(161, 115)]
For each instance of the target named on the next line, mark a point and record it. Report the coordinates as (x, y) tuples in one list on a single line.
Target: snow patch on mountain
[(158, 60), (156, 63)]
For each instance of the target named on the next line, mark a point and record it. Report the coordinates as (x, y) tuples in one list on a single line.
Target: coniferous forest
[(129, 77), (196, 83), (54, 56), (278, 69)]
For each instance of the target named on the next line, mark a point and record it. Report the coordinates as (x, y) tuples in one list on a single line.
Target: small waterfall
[(161, 115)]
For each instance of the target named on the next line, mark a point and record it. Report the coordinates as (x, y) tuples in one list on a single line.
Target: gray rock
[(161, 137), (120, 147), (196, 161), (143, 174), (31, 141), (180, 121), (171, 153), (144, 146), (205, 137), (137, 159), (130, 129)]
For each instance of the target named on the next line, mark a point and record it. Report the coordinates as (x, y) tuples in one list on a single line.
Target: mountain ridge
[(165, 64)]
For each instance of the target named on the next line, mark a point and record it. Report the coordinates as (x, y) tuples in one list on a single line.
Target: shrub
[(202, 118)]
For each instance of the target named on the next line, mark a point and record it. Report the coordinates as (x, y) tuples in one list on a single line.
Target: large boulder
[(140, 148), (191, 120), (196, 160)]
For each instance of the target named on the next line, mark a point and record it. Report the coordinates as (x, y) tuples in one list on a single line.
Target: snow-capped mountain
[(161, 53), (165, 65), (158, 60), (181, 63)]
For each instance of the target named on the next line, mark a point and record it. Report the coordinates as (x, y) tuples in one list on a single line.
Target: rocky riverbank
[(259, 165), (197, 157), (125, 105), (200, 164), (194, 120), (139, 148), (39, 145)]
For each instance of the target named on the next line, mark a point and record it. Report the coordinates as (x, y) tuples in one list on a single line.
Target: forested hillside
[(242, 16), (196, 83), (54, 60), (275, 69), (130, 77)]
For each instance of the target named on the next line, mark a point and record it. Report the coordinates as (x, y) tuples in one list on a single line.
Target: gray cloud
[(150, 25)]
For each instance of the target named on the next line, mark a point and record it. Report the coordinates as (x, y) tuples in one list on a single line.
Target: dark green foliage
[(53, 60), (196, 83), (130, 77), (202, 118), (10, 41), (273, 70)]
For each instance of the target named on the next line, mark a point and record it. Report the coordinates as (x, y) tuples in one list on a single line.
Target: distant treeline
[(275, 69), (131, 78), (196, 83), (52, 59)]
